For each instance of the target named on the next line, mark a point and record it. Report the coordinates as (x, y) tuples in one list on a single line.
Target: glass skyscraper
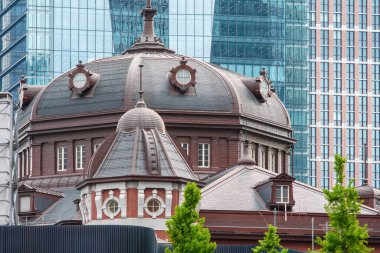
[(13, 16), (241, 35)]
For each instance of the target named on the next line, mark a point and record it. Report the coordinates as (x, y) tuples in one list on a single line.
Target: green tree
[(345, 235), (271, 242), (185, 228)]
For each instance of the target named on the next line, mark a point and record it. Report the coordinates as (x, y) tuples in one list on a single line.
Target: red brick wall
[(175, 200), (93, 206), (224, 147), (162, 235), (238, 227), (132, 203)]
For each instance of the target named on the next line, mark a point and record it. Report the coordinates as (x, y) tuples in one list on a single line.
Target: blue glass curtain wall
[(13, 42)]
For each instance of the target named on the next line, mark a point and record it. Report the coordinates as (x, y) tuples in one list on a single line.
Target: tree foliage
[(345, 235), (271, 242), (185, 228)]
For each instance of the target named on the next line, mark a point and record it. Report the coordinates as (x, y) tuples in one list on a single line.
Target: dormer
[(82, 81), (261, 87), (35, 200), (27, 92), (282, 192)]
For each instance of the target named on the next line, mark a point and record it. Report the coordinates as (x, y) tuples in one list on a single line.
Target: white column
[(270, 159), (180, 193), (169, 198), (259, 154), (123, 203), (287, 162), (279, 162), (6, 140), (98, 204), (140, 203), (88, 205)]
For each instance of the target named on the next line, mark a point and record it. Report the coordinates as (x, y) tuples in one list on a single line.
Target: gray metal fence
[(77, 239)]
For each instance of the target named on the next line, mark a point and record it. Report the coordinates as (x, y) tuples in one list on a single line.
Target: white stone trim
[(156, 224), (159, 199), (98, 204), (105, 205), (123, 203), (169, 198), (140, 203), (155, 185), (181, 190), (109, 186)]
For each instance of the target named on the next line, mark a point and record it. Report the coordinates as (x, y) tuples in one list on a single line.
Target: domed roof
[(365, 190), (140, 117), (214, 90)]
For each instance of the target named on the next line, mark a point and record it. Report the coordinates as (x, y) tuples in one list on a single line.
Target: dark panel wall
[(77, 239)]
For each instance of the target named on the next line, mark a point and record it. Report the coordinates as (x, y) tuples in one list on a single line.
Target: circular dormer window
[(79, 80), (183, 76), (111, 205), (154, 205)]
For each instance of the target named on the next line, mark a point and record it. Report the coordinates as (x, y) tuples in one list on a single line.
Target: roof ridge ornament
[(141, 102), (148, 40)]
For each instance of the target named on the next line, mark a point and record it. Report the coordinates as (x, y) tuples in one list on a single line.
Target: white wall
[(6, 139)]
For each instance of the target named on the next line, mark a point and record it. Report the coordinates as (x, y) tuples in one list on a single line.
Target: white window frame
[(185, 146), (21, 164), (61, 152), (263, 160), (160, 210), (282, 187), (273, 162), (202, 153), (25, 203), (27, 162), (105, 206), (253, 154), (80, 159)]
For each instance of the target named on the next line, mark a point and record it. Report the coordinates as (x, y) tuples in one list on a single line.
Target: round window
[(153, 205), (183, 76), (80, 80), (113, 206)]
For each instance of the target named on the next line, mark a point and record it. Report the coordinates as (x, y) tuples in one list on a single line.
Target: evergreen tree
[(271, 242), (345, 235), (185, 228)]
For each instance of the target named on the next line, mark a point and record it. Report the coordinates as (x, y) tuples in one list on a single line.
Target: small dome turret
[(140, 117)]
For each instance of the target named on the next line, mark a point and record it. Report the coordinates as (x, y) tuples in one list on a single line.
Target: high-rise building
[(240, 35), (344, 72), (12, 41)]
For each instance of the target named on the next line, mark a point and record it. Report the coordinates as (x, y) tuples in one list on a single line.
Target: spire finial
[(141, 102), (148, 13), (148, 41)]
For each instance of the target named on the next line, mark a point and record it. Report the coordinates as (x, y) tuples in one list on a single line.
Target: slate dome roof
[(216, 90)]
